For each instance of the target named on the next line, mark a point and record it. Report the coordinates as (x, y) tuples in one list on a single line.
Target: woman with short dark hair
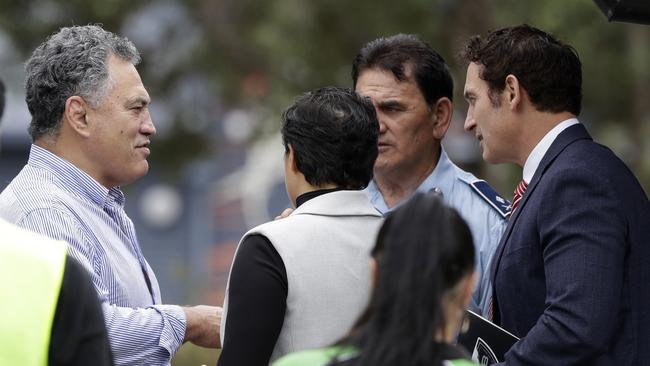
[(301, 282)]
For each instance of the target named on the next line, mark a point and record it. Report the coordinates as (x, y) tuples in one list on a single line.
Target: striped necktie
[(519, 193)]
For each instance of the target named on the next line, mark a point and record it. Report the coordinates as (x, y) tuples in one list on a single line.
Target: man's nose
[(469, 123), (148, 127), (382, 125)]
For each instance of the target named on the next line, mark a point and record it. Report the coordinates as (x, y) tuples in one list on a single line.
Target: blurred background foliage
[(221, 71), (202, 59)]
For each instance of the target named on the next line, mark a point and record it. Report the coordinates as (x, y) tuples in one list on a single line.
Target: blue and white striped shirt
[(53, 197)]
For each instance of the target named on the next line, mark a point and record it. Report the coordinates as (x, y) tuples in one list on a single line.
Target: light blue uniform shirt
[(480, 205), (53, 197)]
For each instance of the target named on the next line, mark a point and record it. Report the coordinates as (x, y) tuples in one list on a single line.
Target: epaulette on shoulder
[(492, 197)]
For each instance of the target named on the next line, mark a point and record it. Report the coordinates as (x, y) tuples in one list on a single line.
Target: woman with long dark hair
[(424, 260)]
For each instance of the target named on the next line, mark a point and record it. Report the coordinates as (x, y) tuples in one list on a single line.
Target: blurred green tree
[(250, 54)]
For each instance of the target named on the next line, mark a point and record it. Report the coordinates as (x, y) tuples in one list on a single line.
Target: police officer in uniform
[(412, 89), (50, 313)]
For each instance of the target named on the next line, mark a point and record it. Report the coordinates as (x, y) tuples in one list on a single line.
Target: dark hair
[(2, 98), (395, 53), (333, 133), (73, 61), (549, 70), (423, 250)]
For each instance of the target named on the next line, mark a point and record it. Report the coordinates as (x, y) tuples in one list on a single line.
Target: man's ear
[(75, 115), (441, 113), (512, 92)]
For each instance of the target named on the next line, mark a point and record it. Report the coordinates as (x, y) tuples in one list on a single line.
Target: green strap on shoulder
[(461, 362), (322, 356), (315, 357), (31, 271)]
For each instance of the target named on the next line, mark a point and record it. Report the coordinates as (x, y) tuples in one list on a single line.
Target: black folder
[(486, 341)]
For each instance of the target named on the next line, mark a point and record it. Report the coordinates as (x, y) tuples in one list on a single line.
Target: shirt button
[(436, 191)]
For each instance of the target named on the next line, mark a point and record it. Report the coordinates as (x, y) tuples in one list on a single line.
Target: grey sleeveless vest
[(325, 246)]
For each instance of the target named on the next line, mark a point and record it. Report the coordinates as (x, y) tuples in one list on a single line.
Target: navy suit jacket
[(572, 272)]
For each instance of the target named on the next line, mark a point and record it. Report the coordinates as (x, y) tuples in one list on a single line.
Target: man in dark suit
[(571, 275)]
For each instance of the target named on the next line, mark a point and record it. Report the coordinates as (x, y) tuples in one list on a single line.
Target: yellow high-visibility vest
[(31, 271)]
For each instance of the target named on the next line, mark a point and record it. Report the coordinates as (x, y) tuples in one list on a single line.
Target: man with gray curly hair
[(90, 129)]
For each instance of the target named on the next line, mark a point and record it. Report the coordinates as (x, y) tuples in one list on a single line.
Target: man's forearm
[(202, 325)]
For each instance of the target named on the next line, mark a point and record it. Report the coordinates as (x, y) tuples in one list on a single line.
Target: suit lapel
[(564, 139)]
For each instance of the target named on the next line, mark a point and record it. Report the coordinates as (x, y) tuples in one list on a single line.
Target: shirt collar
[(535, 157), (439, 178), (73, 179), (375, 197)]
